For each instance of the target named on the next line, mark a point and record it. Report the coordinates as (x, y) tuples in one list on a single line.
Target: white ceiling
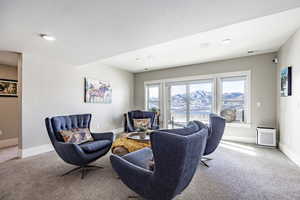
[(8, 58), (263, 35), (87, 31)]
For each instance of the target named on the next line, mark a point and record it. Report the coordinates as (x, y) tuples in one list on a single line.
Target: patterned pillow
[(77, 135), (142, 123)]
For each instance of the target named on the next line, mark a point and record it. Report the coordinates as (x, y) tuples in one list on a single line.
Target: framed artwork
[(286, 82), (8, 88), (97, 91)]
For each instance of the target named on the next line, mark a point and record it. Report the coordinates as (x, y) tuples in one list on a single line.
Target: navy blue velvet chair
[(215, 133), (77, 154), (138, 114), (176, 157)]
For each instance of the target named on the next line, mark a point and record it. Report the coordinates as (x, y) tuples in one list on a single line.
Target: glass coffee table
[(139, 136)]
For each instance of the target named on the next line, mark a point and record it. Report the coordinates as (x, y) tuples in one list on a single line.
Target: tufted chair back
[(56, 124), (176, 160), (138, 114)]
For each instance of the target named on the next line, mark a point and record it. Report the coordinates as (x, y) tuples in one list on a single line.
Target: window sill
[(238, 125)]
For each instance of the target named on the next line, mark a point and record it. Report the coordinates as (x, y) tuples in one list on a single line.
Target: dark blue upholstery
[(75, 154), (191, 127), (215, 133), (176, 158), (138, 114), (90, 147)]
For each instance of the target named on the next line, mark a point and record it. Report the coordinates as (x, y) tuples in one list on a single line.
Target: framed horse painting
[(8, 88), (97, 91)]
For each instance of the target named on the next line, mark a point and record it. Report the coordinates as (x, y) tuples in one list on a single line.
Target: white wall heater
[(266, 136)]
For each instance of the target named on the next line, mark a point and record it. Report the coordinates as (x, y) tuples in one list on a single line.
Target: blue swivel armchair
[(215, 133), (77, 154), (138, 114), (175, 157)]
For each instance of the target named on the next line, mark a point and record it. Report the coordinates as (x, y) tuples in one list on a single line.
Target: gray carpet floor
[(237, 172)]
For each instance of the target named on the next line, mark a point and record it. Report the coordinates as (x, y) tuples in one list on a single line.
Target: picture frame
[(96, 91), (8, 88), (286, 82)]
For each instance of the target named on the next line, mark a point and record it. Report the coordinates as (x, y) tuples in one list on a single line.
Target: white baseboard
[(8, 142), (33, 151), (292, 156), (118, 130), (251, 140)]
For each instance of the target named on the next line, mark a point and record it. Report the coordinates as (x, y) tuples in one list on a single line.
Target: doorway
[(10, 115)]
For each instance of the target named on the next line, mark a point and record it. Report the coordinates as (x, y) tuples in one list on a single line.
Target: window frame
[(146, 89), (247, 97), (217, 91)]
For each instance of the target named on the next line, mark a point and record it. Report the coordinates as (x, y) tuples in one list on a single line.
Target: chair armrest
[(69, 152), (132, 175), (103, 136)]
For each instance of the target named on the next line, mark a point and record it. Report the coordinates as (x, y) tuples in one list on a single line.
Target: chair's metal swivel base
[(204, 161), (83, 170)]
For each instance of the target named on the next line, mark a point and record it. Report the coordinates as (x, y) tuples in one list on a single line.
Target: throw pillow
[(77, 135), (142, 123)]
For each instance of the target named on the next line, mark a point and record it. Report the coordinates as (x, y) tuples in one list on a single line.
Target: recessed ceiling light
[(226, 41), (204, 45), (47, 37)]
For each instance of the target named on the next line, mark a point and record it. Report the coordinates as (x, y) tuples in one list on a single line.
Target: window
[(194, 98), (233, 99), (153, 97), (201, 100)]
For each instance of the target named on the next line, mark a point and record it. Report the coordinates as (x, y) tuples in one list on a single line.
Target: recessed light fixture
[(204, 45), (226, 41), (47, 37)]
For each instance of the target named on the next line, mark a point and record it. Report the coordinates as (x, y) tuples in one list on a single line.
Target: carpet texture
[(237, 172)]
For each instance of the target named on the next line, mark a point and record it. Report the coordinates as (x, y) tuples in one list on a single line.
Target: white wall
[(263, 88), (289, 107), (51, 89)]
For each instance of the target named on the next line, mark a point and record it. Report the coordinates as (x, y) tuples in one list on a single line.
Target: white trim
[(289, 153), (117, 130), (146, 92), (251, 140), (8, 142), (32, 151), (238, 125)]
